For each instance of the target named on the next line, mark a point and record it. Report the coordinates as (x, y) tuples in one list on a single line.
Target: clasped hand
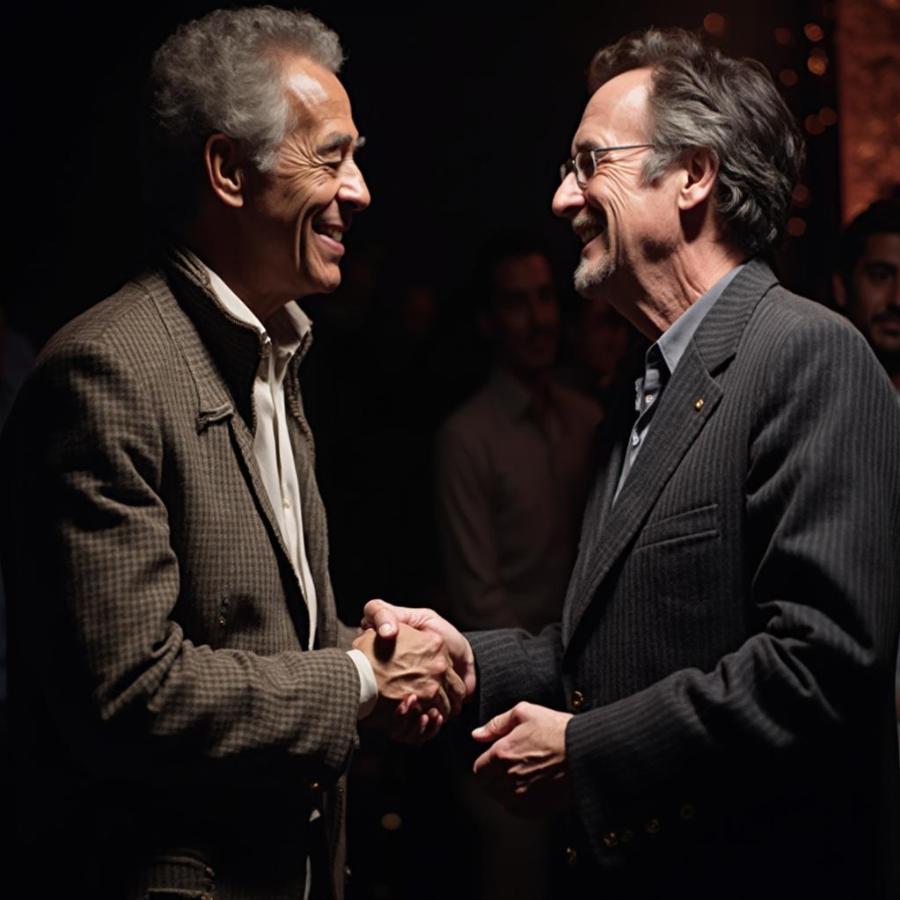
[(417, 685), (525, 767)]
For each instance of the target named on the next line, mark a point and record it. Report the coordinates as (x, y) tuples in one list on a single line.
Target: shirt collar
[(287, 328), (674, 341)]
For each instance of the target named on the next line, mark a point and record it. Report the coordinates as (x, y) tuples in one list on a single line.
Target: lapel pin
[(698, 404)]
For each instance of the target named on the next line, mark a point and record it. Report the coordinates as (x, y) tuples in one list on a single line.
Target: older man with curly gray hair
[(713, 714), (184, 700)]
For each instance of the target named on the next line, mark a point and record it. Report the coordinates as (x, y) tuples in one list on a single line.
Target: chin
[(591, 275)]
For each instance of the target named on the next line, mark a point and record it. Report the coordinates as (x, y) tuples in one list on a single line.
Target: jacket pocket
[(690, 525)]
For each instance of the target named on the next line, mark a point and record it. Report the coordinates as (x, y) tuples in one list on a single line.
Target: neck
[(219, 249), (653, 299)]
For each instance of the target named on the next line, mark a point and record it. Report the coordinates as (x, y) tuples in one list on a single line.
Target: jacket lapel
[(687, 403), (222, 356)]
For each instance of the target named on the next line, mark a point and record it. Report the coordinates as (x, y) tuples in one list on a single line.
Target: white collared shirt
[(272, 448)]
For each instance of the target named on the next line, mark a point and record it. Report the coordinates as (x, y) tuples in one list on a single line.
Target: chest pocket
[(692, 525)]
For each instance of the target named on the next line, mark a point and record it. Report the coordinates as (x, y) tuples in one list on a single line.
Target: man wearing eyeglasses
[(713, 714)]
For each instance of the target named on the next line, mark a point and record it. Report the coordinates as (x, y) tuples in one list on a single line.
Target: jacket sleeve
[(96, 580), (514, 665), (822, 509)]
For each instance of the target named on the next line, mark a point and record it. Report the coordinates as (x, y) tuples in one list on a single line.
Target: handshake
[(425, 669), (423, 666)]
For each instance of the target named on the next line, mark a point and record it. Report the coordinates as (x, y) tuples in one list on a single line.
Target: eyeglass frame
[(570, 166)]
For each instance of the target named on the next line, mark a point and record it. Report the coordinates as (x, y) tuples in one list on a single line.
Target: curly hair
[(222, 73), (702, 98)]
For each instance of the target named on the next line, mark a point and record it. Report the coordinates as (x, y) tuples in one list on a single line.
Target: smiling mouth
[(334, 232), (588, 226)]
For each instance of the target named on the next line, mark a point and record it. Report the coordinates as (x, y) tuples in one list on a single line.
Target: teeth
[(332, 231)]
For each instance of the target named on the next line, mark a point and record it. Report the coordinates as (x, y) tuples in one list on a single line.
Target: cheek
[(871, 297), (616, 194), (308, 194)]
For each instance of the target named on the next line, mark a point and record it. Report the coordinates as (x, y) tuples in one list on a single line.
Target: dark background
[(468, 111)]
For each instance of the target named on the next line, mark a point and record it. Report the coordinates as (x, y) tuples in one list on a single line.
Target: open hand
[(525, 766)]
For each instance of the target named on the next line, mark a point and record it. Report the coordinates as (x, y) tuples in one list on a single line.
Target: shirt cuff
[(368, 686)]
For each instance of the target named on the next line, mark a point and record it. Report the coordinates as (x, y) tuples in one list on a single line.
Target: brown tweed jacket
[(160, 693)]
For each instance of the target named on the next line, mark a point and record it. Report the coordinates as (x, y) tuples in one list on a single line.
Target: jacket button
[(314, 785), (687, 812), (652, 826), (610, 840), (577, 700), (571, 856)]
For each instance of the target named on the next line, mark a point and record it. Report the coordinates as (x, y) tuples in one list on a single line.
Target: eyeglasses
[(584, 162)]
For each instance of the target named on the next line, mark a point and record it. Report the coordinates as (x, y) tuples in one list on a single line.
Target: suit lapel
[(207, 339), (687, 403)]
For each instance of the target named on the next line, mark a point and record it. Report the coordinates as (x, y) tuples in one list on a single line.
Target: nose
[(354, 191), (568, 199), (543, 311)]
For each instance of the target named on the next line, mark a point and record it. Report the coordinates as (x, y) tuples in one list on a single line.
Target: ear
[(701, 165), (224, 162), (840, 290)]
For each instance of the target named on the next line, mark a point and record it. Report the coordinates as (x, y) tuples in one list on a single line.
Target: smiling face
[(624, 224), (297, 213)]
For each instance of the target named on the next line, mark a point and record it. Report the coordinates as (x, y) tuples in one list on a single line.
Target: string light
[(813, 32), (818, 65), (783, 36), (801, 195), (813, 124), (796, 227), (788, 77), (714, 23)]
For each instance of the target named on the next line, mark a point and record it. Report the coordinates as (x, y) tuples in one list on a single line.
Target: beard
[(590, 274)]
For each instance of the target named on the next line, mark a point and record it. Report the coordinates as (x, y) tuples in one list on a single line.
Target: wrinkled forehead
[(617, 112)]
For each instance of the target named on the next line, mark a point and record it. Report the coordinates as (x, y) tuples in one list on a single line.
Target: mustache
[(588, 221)]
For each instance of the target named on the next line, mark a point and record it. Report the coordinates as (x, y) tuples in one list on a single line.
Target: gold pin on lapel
[(698, 404)]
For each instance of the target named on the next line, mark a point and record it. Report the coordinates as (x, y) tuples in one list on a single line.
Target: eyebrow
[(339, 141)]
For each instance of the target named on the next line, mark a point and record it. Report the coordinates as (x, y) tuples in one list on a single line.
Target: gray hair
[(222, 73), (701, 98)]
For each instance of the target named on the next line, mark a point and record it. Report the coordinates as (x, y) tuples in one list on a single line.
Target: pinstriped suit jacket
[(731, 622), (157, 660)]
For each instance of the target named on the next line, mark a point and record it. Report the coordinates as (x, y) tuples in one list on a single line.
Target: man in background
[(867, 283), (867, 290), (513, 461), (512, 475)]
